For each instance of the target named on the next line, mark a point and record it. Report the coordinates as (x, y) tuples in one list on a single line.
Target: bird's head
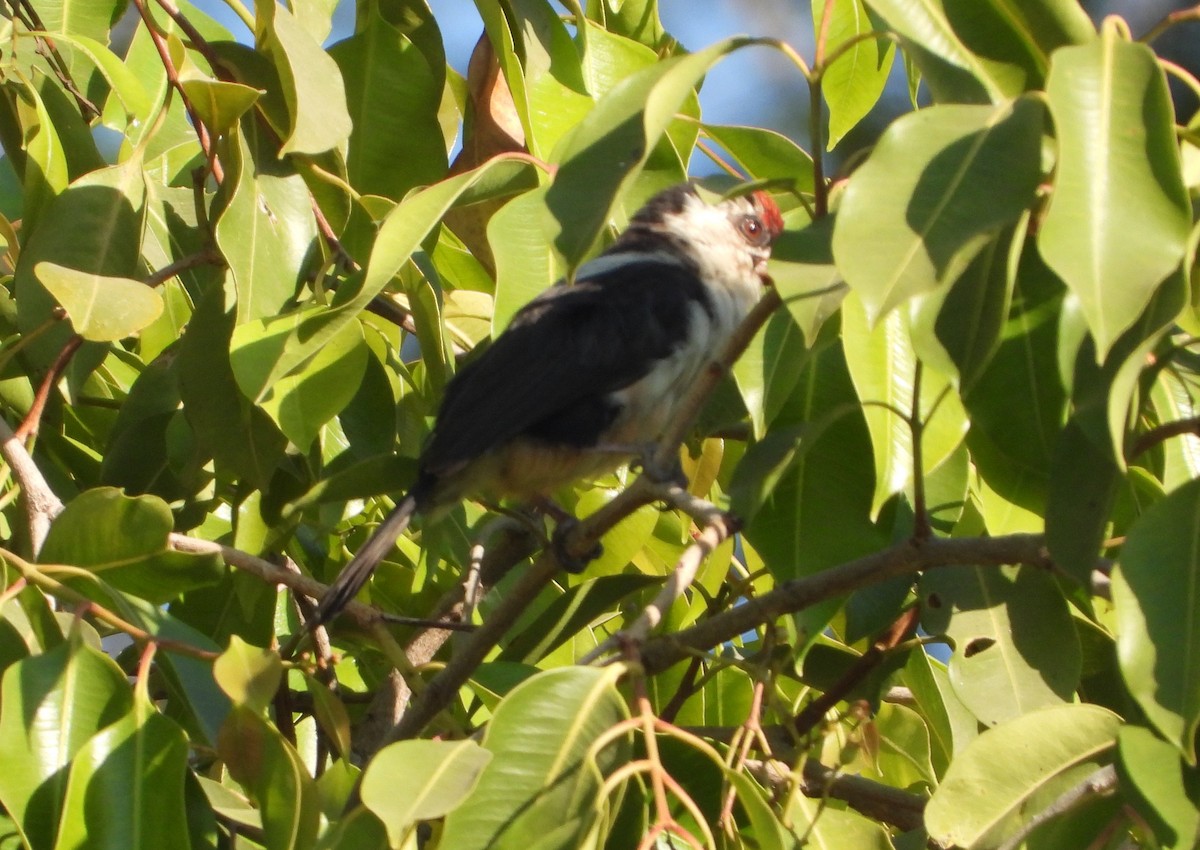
[(725, 244)]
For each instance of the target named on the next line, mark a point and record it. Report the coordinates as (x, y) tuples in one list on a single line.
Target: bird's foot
[(560, 543), (670, 472)]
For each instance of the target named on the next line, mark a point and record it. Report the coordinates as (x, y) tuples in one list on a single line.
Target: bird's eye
[(752, 229)]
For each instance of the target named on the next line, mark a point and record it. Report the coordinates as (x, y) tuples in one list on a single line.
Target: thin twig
[(1162, 433), (363, 616), (29, 426), (164, 54), (1172, 19), (35, 576), (815, 711), (203, 257), (87, 109)]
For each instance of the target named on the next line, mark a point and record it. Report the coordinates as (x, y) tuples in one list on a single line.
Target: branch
[(904, 558), (716, 527), (363, 616), (206, 256), (815, 711), (444, 686), (164, 55), (41, 503), (1164, 432), (874, 799), (32, 20), (29, 425), (33, 575), (1099, 784)]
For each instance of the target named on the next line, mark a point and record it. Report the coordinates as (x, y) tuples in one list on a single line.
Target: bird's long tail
[(355, 574)]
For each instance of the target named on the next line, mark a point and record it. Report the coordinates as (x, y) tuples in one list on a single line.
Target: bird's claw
[(670, 472), (568, 559)]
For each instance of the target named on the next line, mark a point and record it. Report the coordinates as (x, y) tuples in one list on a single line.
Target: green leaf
[(395, 92), (828, 827), (126, 786), (310, 394), (1015, 645), (855, 80), (938, 186), (123, 540), (1083, 486), (50, 706), (543, 769), (1173, 401), (958, 329), (1119, 215), (525, 261), (1162, 786), (1155, 595), (805, 490), (1013, 771), (768, 833), (804, 275), (125, 83), (264, 231), (267, 766), (953, 70), (951, 726), (409, 781), (769, 368), (196, 700), (101, 308), (552, 70), (34, 147), (107, 214), (312, 84), (250, 676), (765, 155), (1012, 446), (91, 18), (242, 439), (884, 368), (220, 104), (570, 613), (631, 119), (410, 221), (609, 56)]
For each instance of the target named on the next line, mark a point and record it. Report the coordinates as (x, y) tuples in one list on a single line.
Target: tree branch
[(363, 616), (1099, 784), (207, 256), (444, 686), (902, 559), (41, 503)]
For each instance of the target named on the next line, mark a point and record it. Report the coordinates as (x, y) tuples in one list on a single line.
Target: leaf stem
[(1172, 19)]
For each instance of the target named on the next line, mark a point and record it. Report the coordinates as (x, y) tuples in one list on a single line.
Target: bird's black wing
[(549, 374)]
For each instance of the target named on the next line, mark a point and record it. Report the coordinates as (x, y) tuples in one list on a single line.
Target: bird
[(590, 371)]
